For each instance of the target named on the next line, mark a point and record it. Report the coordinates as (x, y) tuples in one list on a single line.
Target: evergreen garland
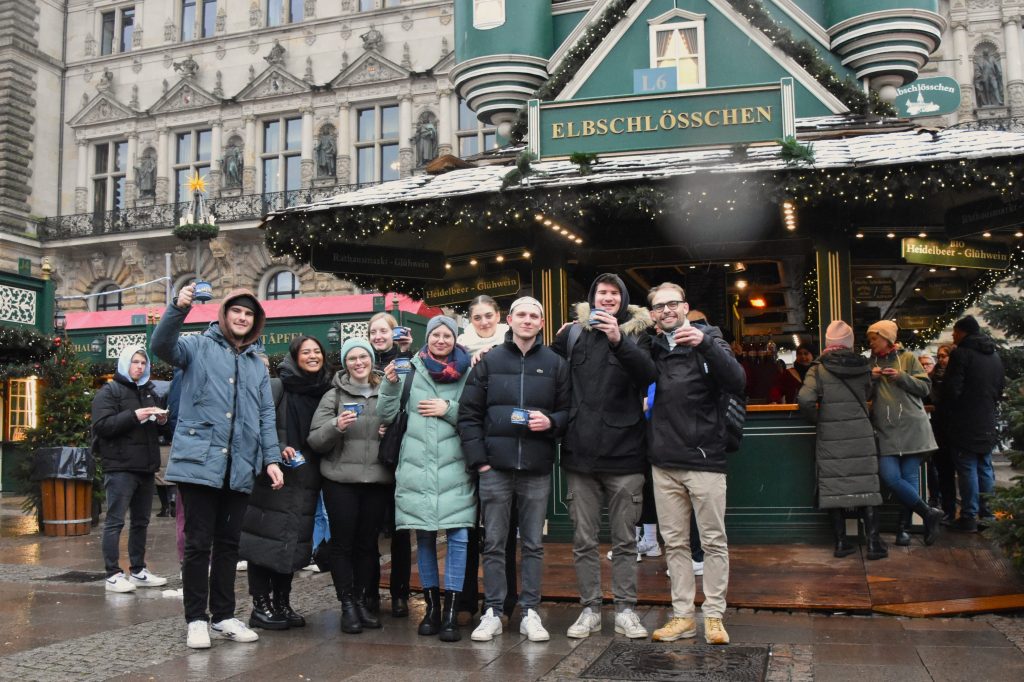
[(21, 346)]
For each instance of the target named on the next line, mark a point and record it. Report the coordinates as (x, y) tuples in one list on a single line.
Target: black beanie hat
[(245, 301), (968, 325)]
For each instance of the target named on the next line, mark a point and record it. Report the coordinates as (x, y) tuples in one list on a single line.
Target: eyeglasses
[(671, 305)]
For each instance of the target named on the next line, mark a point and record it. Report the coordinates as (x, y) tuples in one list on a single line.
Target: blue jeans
[(530, 491), (321, 527), (454, 561), (976, 477), (127, 491), (902, 475)]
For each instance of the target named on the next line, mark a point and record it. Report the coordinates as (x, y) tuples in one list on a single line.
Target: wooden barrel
[(67, 507)]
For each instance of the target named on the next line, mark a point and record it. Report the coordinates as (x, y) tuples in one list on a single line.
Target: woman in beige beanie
[(905, 437)]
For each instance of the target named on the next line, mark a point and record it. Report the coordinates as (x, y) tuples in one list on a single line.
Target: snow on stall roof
[(855, 151)]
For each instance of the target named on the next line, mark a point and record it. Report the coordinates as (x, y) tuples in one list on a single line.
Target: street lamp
[(96, 346), (60, 321), (334, 338)]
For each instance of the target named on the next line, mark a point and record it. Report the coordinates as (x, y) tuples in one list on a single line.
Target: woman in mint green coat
[(433, 489)]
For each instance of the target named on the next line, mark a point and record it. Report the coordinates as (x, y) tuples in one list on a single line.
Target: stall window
[(21, 407), (111, 300), (280, 12), (282, 285), (282, 155), (473, 136), (377, 144), (116, 30), (198, 18), (109, 176), (192, 153), (680, 46)]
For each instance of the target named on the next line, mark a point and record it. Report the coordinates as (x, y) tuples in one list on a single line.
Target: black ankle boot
[(264, 615), (449, 624), (283, 606), (903, 529), (932, 521), (399, 607), (431, 623), (843, 546), (876, 548), (350, 623), (367, 617)]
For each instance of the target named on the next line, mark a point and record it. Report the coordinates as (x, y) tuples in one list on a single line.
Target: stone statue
[(276, 54), (326, 154), (187, 68), (988, 78), (232, 165), (373, 40), (145, 174), (106, 83), (425, 139)]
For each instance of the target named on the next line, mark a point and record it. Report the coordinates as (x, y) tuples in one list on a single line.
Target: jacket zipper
[(522, 391)]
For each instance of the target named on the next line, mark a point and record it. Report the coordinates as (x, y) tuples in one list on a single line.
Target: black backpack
[(732, 407)]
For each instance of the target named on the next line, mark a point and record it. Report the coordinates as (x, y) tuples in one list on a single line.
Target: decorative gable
[(184, 94), (102, 108), (274, 82), (370, 67), (444, 65)]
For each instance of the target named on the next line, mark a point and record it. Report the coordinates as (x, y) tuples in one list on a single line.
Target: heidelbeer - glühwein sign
[(675, 120), (956, 253), (461, 290)]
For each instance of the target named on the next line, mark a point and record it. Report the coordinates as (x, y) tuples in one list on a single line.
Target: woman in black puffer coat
[(277, 530)]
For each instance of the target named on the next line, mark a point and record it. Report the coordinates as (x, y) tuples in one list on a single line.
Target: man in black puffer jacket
[(971, 390), (126, 416), (513, 408)]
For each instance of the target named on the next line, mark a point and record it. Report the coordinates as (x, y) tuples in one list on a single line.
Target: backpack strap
[(406, 388), (574, 335)]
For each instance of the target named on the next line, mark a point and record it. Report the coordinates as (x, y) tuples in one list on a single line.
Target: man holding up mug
[(513, 408)]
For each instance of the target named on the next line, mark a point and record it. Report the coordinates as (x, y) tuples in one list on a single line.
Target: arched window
[(282, 285), (109, 301)]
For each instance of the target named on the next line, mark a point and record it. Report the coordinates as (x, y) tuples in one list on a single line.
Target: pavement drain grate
[(679, 663), (76, 577)]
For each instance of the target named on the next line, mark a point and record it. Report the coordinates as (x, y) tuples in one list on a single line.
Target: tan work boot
[(714, 631), (675, 628)]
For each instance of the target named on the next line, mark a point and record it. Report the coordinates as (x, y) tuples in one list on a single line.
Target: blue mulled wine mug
[(593, 317), (399, 332), (297, 460), (356, 408), (520, 416), (402, 365), (203, 291)]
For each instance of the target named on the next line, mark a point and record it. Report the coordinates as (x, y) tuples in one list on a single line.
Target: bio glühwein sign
[(956, 253), (462, 290)]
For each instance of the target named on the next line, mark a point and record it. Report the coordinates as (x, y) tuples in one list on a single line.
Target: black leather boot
[(431, 623), (932, 521), (366, 616), (449, 623), (399, 607), (264, 615), (876, 548), (350, 623), (843, 546), (283, 606), (903, 529)]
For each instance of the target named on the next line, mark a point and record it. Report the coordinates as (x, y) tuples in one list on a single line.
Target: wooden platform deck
[(958, 575)]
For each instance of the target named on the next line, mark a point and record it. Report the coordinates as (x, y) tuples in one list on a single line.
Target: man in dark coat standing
[(126, 416), (687, 450), (513, 408), (971, 390), (603, 452)]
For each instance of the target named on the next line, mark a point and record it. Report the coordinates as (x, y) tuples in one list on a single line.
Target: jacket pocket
[(192, 441)]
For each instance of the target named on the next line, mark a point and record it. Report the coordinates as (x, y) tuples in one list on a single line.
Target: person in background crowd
[(513, 409), (971, 391), (165, 491), (687, 451), (224, 437), (789, 381), (942, 489), (433, 489), (486, 331), (358, 489), (927, 362), (277, 531), (905, 437), (834, 396), (127, 415), (385, 349), (604, 449)]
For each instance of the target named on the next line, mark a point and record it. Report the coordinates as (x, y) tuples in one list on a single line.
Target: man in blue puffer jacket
[(224, 438)]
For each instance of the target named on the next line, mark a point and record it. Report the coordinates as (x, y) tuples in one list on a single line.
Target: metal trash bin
[(65, 476)]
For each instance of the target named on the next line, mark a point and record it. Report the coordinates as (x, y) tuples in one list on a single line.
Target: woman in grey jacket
[(346, 430)]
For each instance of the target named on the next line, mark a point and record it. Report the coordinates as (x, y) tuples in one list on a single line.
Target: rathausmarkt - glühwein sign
[(663, 121)]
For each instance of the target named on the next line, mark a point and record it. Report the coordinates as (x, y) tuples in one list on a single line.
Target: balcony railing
[(1005, 125), (166, 216)]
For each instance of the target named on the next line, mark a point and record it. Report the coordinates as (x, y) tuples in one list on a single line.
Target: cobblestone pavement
[(55, 628)]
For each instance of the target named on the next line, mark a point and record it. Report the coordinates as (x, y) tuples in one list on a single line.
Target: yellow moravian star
[(196, 183)]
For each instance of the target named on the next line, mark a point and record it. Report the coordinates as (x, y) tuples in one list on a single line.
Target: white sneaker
[(531, 626), (628, 623), (652, 549), (242, 565), (118, 583), (698, 568), (198, 635), (232, 628), (587, 623), (490, 625), (638, 557), (312, 567), (146, 579)]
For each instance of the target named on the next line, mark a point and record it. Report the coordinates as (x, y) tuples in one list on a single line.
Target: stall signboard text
[(928, 97), (956, 253), (463, 290), (987, 214), (874, 289), (381, 261), (945, 289), (674, 120)]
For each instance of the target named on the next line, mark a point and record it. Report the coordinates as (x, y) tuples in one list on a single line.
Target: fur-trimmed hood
[(638, 319)]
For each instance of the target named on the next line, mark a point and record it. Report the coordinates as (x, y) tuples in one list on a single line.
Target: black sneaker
[(965, 524)]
